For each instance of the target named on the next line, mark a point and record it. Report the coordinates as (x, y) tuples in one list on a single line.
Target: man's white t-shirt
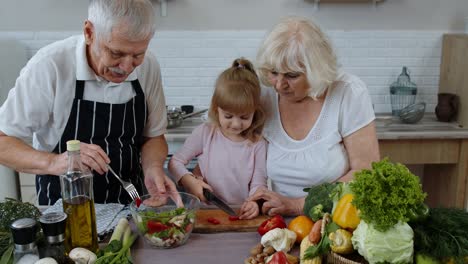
[(38, 107), (320, 157)]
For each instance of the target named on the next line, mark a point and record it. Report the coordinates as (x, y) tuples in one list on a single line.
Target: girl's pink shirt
[(234, 170)]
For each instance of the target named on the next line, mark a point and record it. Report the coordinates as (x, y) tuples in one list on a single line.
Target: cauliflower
[(281, 239)]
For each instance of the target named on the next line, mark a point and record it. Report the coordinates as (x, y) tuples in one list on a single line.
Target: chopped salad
[(166, 229)]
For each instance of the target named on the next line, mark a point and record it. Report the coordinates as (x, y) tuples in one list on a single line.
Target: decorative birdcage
[(402, 92)]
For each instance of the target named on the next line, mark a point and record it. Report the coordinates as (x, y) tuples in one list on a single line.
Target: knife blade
[(211, 197)]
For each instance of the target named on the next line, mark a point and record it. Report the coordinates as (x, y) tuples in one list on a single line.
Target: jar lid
[(24, 231), (53, 224), (73, 145)]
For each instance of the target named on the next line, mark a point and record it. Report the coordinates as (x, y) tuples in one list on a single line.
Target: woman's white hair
[(134, 18), (298, 45)]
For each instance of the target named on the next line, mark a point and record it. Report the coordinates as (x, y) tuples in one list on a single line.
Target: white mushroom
[(82, 256), (46, 261)]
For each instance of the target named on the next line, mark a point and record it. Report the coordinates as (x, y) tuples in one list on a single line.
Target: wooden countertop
[(388, 128)]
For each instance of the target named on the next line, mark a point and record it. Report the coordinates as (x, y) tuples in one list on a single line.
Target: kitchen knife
[(212, 198)]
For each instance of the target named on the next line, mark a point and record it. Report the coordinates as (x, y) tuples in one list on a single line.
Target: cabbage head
[(393, 246)]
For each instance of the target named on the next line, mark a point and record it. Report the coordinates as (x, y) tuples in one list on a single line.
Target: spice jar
[(53, 227), (24, 232)]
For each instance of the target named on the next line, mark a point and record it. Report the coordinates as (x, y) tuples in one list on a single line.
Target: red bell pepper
[(155, 226), (213, 220), (276, 221), (279, 258)]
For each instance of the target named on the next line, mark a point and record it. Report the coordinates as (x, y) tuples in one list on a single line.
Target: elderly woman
[(320, 121)]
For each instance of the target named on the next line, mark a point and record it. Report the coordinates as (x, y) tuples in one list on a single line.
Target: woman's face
[(292, 86)]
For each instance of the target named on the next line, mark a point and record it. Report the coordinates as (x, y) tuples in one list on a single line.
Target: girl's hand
[(277, 204), (195, 185), (248, 210)]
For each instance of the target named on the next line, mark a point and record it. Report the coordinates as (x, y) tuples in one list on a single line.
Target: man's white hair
[(134, 18)]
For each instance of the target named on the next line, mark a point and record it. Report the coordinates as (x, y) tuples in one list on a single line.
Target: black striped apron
[(118, 130)]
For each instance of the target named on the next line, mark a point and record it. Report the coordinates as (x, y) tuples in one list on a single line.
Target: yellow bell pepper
[(346, 214)]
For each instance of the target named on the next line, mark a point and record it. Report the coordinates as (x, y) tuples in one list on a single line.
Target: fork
[(129, 187)]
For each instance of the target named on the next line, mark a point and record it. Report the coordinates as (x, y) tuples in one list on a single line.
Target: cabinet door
[(454, 72)]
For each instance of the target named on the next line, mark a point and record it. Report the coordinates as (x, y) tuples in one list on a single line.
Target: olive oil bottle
[(78, 202)]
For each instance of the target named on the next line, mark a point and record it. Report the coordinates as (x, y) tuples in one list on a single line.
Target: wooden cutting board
[(203, 226)]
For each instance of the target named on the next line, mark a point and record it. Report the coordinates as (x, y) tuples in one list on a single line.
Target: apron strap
[(137, 87), (79, 90)]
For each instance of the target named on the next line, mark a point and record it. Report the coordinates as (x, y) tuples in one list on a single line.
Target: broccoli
[(318, 200)]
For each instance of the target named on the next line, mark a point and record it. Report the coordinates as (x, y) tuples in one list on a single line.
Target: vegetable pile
[(166, 229)]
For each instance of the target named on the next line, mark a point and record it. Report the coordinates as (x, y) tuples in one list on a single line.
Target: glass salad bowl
[(165, 221)]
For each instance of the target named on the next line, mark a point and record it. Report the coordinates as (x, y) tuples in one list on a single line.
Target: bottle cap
[(53, 224), (73, 145), (24, 231)]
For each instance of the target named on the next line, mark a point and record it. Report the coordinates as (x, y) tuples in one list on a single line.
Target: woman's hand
[(277, 204), (195, 185), (248, 210)]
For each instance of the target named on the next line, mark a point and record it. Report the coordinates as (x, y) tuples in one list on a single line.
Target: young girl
[(230, 149)]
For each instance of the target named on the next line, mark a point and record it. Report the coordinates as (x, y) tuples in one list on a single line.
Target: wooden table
[(441, 147)]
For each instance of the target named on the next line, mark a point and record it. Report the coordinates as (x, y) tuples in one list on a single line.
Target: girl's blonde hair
[(237, 90), (298, 45)]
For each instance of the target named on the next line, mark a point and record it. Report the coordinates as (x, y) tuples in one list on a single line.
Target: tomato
[(155, 226), (233, 218), (301, 225), (188, 228), (213, 220), (279, 258), (138, 202), (276, 221)]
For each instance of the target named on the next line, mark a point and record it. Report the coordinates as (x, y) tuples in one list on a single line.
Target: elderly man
[(103, 88)]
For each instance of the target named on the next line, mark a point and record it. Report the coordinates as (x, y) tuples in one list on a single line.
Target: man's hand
[(92, 156), (157, 182)]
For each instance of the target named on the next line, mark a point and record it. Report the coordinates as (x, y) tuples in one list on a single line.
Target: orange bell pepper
[(346, 214)]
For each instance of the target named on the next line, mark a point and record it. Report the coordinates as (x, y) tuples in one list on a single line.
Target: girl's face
[(292, 86), (232, 125)]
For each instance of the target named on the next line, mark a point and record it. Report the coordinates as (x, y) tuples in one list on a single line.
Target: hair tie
[(240, 66)]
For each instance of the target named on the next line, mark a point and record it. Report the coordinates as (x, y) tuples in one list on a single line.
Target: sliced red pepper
[(276, 221), (213, 220), (233, 218), (154, 226), (138, 202)]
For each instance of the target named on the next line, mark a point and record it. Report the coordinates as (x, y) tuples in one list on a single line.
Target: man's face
[(115, 57)]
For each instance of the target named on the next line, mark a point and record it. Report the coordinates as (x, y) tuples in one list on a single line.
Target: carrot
[(315, 233)]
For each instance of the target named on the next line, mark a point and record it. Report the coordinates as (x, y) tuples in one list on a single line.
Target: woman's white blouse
[(293, 165)]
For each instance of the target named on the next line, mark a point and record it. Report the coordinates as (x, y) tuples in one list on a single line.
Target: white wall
[(191, 60), (248, 14), (199, 38)]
